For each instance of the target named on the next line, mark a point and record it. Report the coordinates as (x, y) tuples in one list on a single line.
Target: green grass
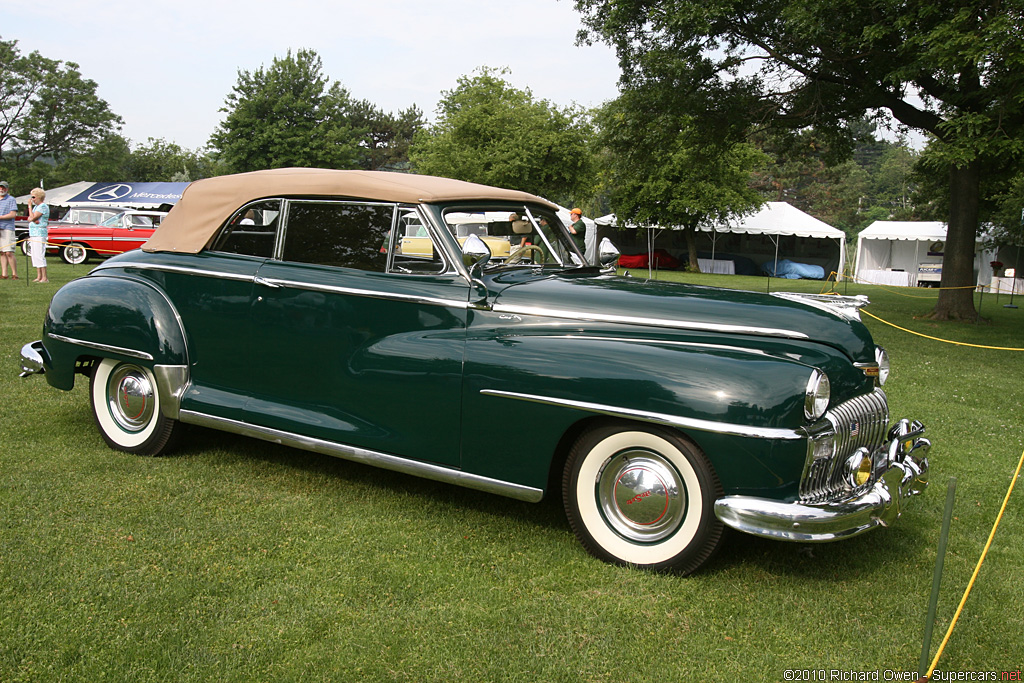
[(238, 560)]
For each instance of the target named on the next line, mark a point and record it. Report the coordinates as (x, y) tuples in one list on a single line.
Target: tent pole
[(917, 262)]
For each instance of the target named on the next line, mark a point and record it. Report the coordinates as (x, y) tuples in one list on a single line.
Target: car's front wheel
[(74, 253), (642, 496), (126, 405)]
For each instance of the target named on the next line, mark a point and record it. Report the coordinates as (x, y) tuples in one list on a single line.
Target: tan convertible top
[(207, 204)]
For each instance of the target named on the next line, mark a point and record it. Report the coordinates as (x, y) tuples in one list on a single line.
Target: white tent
[(904, 253), (779, 219), (777, 231), (59, 196)]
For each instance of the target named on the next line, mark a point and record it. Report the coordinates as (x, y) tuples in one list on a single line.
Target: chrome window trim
[(648, 322), (366, 456), (432, 230), (101, 347), (656, 418)]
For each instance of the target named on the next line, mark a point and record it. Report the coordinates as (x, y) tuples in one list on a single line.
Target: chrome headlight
[(819, 390), (882, 358)]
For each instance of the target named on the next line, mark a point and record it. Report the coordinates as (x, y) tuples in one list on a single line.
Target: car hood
[(582, 295)]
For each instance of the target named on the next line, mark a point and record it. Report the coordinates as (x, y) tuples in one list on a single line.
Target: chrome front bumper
[(32, 359), (904, 475)]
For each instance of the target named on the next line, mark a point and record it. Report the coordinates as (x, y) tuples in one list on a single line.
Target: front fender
[(525, 389), (111, 317)]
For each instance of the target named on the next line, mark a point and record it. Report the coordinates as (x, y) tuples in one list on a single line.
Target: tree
[(47, 110), (162, 161), (385, 145), (952, 70), (287, 115), (490, 132), (662, 171)]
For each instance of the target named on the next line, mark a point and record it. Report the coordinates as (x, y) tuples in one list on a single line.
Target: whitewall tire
[(126, 406), (642, 496)]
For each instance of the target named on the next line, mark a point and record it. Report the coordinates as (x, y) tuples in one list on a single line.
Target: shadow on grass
[(198, 441), (879, 553)]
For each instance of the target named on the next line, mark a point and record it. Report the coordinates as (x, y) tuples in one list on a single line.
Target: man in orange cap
[(578, 229)]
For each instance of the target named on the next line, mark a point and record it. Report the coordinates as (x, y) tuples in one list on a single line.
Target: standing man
[(8, 212), (578, 229)]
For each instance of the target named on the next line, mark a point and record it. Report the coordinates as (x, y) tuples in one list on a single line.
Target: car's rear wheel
[(74, 253), (642, 496), (126, 405)]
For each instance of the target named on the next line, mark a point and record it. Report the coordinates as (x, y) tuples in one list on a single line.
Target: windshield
[(516, 234)]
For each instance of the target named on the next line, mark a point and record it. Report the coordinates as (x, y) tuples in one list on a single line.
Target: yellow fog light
[(858, 468)]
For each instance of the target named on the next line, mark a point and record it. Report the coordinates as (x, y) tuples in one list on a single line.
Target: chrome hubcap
[(641, 495), (131, 399)]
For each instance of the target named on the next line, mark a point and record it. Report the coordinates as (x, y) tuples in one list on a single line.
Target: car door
[(129, 231), (213, 293), (350, 346)]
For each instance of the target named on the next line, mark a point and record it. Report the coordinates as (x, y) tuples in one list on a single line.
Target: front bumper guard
[(32, 362), (905, 474)]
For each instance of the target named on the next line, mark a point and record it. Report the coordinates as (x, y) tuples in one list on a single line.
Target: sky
[(167, 67)]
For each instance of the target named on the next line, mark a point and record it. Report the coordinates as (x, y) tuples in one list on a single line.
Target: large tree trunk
[(956, 299), (691, 247)]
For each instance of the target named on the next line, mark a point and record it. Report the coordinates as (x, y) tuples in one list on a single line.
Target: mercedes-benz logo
[(110, 193)]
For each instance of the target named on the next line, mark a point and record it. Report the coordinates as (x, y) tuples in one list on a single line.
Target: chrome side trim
[(656, 418), (275, 282), (171, 382), (367, 293), (174, 269), (101, 347), (649, 322), (389, 462)]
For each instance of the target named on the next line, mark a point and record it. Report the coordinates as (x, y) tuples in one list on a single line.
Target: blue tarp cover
[(791, 270)]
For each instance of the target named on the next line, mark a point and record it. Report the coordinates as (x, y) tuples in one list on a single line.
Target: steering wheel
[(522, 252)]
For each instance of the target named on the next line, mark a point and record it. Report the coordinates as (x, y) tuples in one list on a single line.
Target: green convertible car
[(454, 331)]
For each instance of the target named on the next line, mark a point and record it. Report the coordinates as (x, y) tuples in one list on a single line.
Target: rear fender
[(104, 316)]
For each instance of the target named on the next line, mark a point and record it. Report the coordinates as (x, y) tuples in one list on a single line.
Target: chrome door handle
[(265, 282)]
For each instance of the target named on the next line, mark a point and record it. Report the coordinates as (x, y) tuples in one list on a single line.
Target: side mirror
[(475, 255), (607, 254)]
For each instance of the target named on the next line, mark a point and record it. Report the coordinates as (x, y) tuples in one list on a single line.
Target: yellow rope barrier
[(974, 576), (945, 341)]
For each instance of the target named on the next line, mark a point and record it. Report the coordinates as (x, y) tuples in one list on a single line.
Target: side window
[(252, 230), (415, 251), (348, 235)]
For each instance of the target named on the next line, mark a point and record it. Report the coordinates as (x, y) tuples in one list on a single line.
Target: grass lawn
[(239, 560)]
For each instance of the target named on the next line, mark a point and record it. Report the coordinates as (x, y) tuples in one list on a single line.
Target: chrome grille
[(861, 422)]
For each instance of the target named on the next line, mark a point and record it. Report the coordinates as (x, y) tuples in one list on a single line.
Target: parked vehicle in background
[(123, 231), (363, 315)]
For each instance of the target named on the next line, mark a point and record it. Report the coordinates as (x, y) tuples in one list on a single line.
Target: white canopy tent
[(764, 233), (778, 219), (904, 253), (59, 196)]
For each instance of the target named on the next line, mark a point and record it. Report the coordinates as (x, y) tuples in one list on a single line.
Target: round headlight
[(882, 358), (819, 390)]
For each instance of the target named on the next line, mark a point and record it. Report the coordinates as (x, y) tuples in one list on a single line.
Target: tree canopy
[(291, 114), (490, 132), (952, 70), (47, 110), (660, 169)]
